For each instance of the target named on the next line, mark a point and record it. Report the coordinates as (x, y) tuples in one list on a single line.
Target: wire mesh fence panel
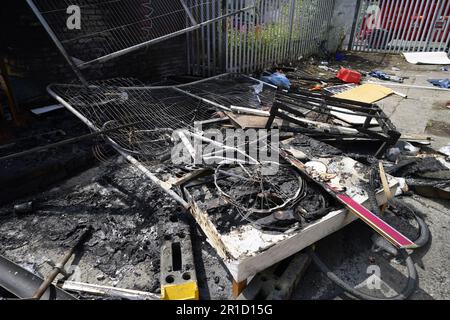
[(402, 25), (147, 117), (234, 90), (151, 115), (89, 31), (205, 57)]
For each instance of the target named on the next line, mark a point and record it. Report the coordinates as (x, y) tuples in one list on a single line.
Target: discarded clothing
[(442, 83), (383, 76), (277, 79)]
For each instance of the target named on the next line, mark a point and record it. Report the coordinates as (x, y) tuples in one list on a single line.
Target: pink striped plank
[(376, 223)]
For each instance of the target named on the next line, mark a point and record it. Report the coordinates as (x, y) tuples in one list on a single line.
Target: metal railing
[(107, 29), (402, 25), (273, 32)]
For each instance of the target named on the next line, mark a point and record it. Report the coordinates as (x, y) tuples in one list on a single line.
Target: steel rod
[(58, 268)]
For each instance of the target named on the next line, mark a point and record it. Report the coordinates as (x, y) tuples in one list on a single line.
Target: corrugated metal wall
[(275, 31), (402, 25)]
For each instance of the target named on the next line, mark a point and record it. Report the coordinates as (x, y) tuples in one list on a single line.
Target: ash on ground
[(127, 214)]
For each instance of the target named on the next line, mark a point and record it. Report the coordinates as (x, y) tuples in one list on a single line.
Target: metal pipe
[(406, 31), (431, 29), (399, 23), (22, 283), (215, 104), (96, 289), (355, 22), (58, 268), (58, 44), (446, 30), (188, 12)]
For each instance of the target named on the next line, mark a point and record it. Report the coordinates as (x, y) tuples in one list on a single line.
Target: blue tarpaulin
[(443, 83), (277, 79)]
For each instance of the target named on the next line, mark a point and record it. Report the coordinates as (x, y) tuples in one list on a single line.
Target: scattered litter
[(368, 93), (392, 154), (255, 112), (402, 187), (277, 79), (339, 88), (417, 139), (384, 76), (445, 150), (441, 83), (407, 148), (444, 69), (427, 57), (401, 148), (347, 116), (395, 69), (327, 68), (24, 208), (46, 109), (349, 76), (317, 87)]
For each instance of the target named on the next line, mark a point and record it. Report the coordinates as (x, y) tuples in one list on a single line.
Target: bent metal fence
[(88, 32), (222, 35), (272, 32)]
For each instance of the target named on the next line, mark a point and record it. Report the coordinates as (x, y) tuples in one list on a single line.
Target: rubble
[(115, 255)]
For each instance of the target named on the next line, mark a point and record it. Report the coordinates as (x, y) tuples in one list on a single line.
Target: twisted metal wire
[(153, 114)]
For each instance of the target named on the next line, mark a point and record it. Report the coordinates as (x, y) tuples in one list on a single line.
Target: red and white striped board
[(388, 232), (384, 229)]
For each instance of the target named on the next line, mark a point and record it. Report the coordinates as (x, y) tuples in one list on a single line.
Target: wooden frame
[(247, 250)]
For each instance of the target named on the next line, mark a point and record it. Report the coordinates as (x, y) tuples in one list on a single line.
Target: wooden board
[(368, 93)]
